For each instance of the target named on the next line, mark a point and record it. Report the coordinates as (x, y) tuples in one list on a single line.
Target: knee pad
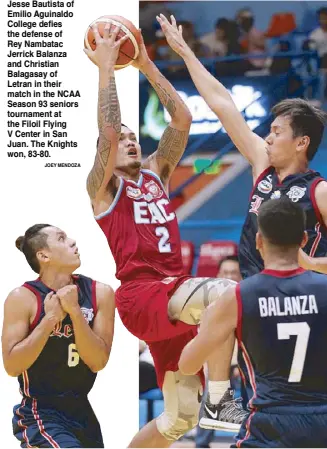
[(193, 296), (182, 397)]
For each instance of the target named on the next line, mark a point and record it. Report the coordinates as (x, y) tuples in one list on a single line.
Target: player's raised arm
[(218, 99), (173, 142), (217, 324), (20, 346), (93, 345), (109, 120)]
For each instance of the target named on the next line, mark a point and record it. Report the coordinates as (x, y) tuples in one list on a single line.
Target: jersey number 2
[(302, 331), (73, 355), (163, 245)]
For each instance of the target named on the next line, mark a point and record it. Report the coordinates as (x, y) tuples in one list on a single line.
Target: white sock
[(217, 389)]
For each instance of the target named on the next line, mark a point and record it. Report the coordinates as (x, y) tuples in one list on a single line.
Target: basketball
[(129, 50)]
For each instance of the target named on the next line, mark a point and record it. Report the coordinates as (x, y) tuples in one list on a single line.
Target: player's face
[(282, 148), (129, 150), (62, 252), (230, 269)]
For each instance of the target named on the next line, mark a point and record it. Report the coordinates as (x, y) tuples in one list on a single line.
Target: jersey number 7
[(302, 331)]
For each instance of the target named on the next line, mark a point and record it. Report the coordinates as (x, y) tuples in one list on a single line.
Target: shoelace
[(233, 411)]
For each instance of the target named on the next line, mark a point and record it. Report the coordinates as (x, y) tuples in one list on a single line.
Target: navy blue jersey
[(300, 188), (282, 334), (59, 371)]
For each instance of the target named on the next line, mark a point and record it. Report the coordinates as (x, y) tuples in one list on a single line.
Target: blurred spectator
[(216, 41), (229, 268), (148, 12), (224, 41), (149, 25), (147, 373), (252, 40), (192, 41), (319, 36), (200, 50), (280, 64)]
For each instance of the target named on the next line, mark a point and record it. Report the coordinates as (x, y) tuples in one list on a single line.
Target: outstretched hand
[(174, 34), (107, 47)]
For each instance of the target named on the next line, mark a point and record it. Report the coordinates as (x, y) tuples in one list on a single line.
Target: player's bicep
[(103, 168), (170, 150), (104, 321), (16, 323)]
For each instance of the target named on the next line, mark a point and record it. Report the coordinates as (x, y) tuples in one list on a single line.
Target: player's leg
[(305, 428), (190, 299), (182, 397), (221, 411), (187, 304)]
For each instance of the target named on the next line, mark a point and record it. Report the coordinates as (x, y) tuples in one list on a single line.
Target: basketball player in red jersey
[(280, 168), (130, 202)]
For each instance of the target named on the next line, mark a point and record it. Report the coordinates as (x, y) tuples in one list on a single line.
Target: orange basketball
[(129, 50)]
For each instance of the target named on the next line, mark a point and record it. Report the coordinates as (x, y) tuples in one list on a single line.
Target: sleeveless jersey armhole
[(115, 201), (94, 297), (259, 178), (39, 305), (314, 202)]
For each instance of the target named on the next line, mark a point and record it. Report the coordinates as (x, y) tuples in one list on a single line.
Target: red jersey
[(142, 230)]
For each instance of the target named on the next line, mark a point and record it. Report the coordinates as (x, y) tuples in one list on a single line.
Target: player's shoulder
[(104, 292), (105, 295), (251, 280), (20, 295), (314, 276), (321, 187)]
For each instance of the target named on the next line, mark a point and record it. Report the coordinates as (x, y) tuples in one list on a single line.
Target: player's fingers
[(120, 41), (88, 52), (49, 296), (173, 21), (115, 33), (180, 30), (106, 31), (165, 20), (96, 33), (163, 25)]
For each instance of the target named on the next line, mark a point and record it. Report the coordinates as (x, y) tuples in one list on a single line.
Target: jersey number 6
[(73, 355)]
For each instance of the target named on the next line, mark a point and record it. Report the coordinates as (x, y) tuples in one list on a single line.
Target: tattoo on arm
[(166, 99), (108, 107), (108, 117), (171, 148)]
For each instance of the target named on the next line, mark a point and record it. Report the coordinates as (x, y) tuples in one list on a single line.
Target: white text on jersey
[(154, 212), (290, 305)]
